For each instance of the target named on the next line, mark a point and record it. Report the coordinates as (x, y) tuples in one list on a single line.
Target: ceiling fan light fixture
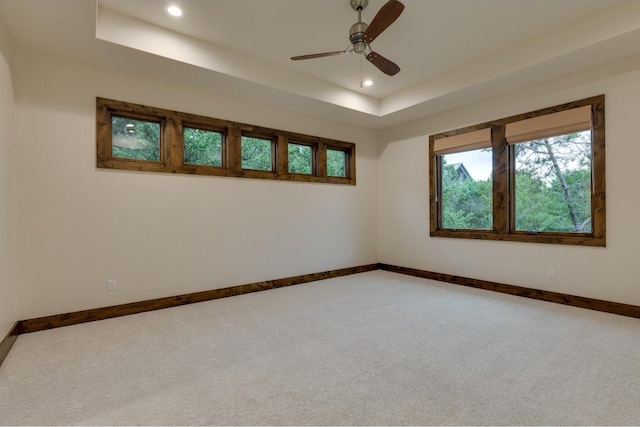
[(367, 83)]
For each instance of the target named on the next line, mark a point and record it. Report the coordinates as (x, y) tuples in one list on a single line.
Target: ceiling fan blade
[(318, 55), (385, 17), (383, 64)]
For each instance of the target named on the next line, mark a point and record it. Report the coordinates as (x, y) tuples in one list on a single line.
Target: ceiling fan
[(361, 35)]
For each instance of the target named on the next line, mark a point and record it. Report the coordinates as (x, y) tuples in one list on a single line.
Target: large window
[(536, 177), (140, 138), (466, 180), (553, 184)]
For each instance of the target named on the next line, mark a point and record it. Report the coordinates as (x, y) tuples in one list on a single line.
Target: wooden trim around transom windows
[(549, 296), (171, 159)]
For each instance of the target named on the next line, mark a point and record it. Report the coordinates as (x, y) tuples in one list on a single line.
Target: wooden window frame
[(172, 124), (504, 178)]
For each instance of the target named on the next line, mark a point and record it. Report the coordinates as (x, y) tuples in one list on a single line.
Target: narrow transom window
[(257, 153), (336, 163), (150, 139), (202, 147), (135, 139), (300, 159)]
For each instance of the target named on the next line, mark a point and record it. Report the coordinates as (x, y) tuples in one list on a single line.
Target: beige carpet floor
[(370, 349)]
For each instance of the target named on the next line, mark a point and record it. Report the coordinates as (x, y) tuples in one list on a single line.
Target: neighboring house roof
[(461, 171)]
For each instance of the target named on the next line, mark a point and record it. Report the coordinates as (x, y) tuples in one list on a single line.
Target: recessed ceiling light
[(174, 11), (367, 83)]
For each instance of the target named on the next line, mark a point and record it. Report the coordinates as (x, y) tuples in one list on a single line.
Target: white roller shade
[(463, 142), (555, 124)]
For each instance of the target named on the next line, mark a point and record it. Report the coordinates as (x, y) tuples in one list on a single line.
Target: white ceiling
[(450, 51)]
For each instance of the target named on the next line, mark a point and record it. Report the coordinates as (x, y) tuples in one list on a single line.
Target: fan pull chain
[(361, 83)]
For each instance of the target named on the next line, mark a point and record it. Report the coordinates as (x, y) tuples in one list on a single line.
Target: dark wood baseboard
[(556, 297), (56, 321), (8, 341)]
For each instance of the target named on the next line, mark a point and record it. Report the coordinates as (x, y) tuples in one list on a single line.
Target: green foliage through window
[(202, 147), (336, 163), (467, 203), (135, 139), (300, 159), (149, 139), (543, 182), (257, 153), (553, 184)]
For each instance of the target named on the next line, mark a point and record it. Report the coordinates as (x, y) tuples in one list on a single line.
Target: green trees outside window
[(257, 154), (552, 187), (467, 201), (202, 147), (135, 139), (542, 178), (553, 184), (300, 159), (149, 139), (336, 163)]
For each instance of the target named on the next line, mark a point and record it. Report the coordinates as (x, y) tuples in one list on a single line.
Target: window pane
[(202, 147), (467, 190), (553, 184), (135, 139), (336, 163), (257, 154), (300, 159)]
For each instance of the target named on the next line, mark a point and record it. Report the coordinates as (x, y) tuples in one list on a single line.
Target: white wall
[(609, 273), (159, 234), (8, 302)]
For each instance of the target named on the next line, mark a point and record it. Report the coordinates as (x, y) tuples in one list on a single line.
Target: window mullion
[(282, 155), (598, 204), (322, 160), (172, 143), (234, 149), (501, 193)]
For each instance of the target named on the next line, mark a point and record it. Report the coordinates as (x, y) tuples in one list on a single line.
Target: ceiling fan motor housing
[(357, 32), (359, 4)]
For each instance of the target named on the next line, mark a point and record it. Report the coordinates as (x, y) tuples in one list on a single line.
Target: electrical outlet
[(551, 272), (112, 285)]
